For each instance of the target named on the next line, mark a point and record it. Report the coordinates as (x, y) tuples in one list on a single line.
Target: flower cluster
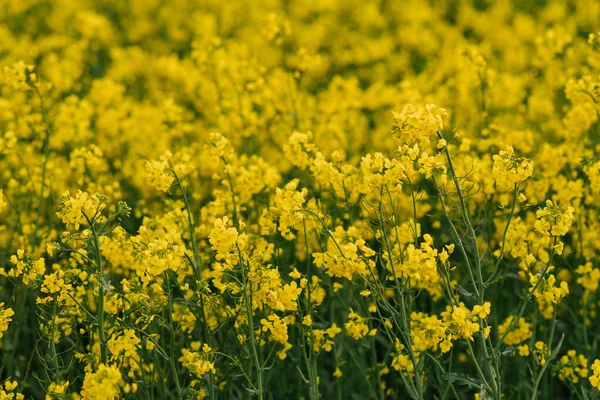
[(420, 125), (553, 220), (573, 367), (546, 293), (102, 384), (20, 76), (510, 170), (595, 376), (78, 210), (334, 199), (5, 318)]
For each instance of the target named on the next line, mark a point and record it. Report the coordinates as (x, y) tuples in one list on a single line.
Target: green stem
[(526, 300), (473, 237), (414, 202), (458, 240), (250, 316), (44, 165), (405, 324), (541, 374), (247, 286), (197, 274), (101, 333), (311, 358), (172, 345), (510, 216)]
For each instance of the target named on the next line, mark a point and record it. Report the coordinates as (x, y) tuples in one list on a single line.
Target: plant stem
[(197, 274), (99, 271), (46, 148)]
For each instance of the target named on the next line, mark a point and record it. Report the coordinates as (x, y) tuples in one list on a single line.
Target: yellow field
[(294, 199)]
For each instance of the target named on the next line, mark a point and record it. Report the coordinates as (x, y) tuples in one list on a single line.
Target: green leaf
[(464, 291), (462, 379), (508, 351)]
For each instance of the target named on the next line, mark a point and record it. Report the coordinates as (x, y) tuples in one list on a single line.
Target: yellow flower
[(414, 124), (26, 267), (56, 389), (103, 384), (20, 76), (547, 294), (482, 311), (124, 350), (295, 274), (553, 220), (595, 376), (509, 169), (523, 350), (307, 320), (356, 326), (519, 333), (78, 210), (157, 174), (572, 367), (195, 361), (3, 203)]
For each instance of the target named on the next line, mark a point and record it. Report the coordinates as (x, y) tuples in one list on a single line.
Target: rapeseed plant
[(299, 200)]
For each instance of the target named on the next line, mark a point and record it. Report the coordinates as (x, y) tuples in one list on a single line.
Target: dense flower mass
[(287, 199)]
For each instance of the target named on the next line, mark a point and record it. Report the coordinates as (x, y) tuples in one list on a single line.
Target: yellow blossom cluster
[(5, 318), (196, 359), (256, 199), (104, 383), (25, 268), (8, 391), (420, 125), (595, 376), (546, 293), (510, 170), (573, 367), (552, 220), (519, 334)]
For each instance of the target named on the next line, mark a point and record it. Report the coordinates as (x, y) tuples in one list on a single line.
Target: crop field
[(298, 199)]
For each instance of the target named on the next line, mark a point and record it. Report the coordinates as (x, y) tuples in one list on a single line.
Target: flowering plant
[(305, 200)]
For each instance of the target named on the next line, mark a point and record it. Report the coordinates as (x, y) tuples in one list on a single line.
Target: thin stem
[(311, 359), (466, 219), (450, 385), (414, 203), (250, 316), (405, 324), (197, 273), (172, 344), (473, 237), (526, 300), (548, 361), (196, 265), (512, 211), (458, 240), (100, 273), (247, 298), (44, 165)]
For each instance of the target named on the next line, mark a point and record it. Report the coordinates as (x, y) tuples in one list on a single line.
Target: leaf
[(302, 375), (585, 396), (464, 291), (462, 379), (508, 350)]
